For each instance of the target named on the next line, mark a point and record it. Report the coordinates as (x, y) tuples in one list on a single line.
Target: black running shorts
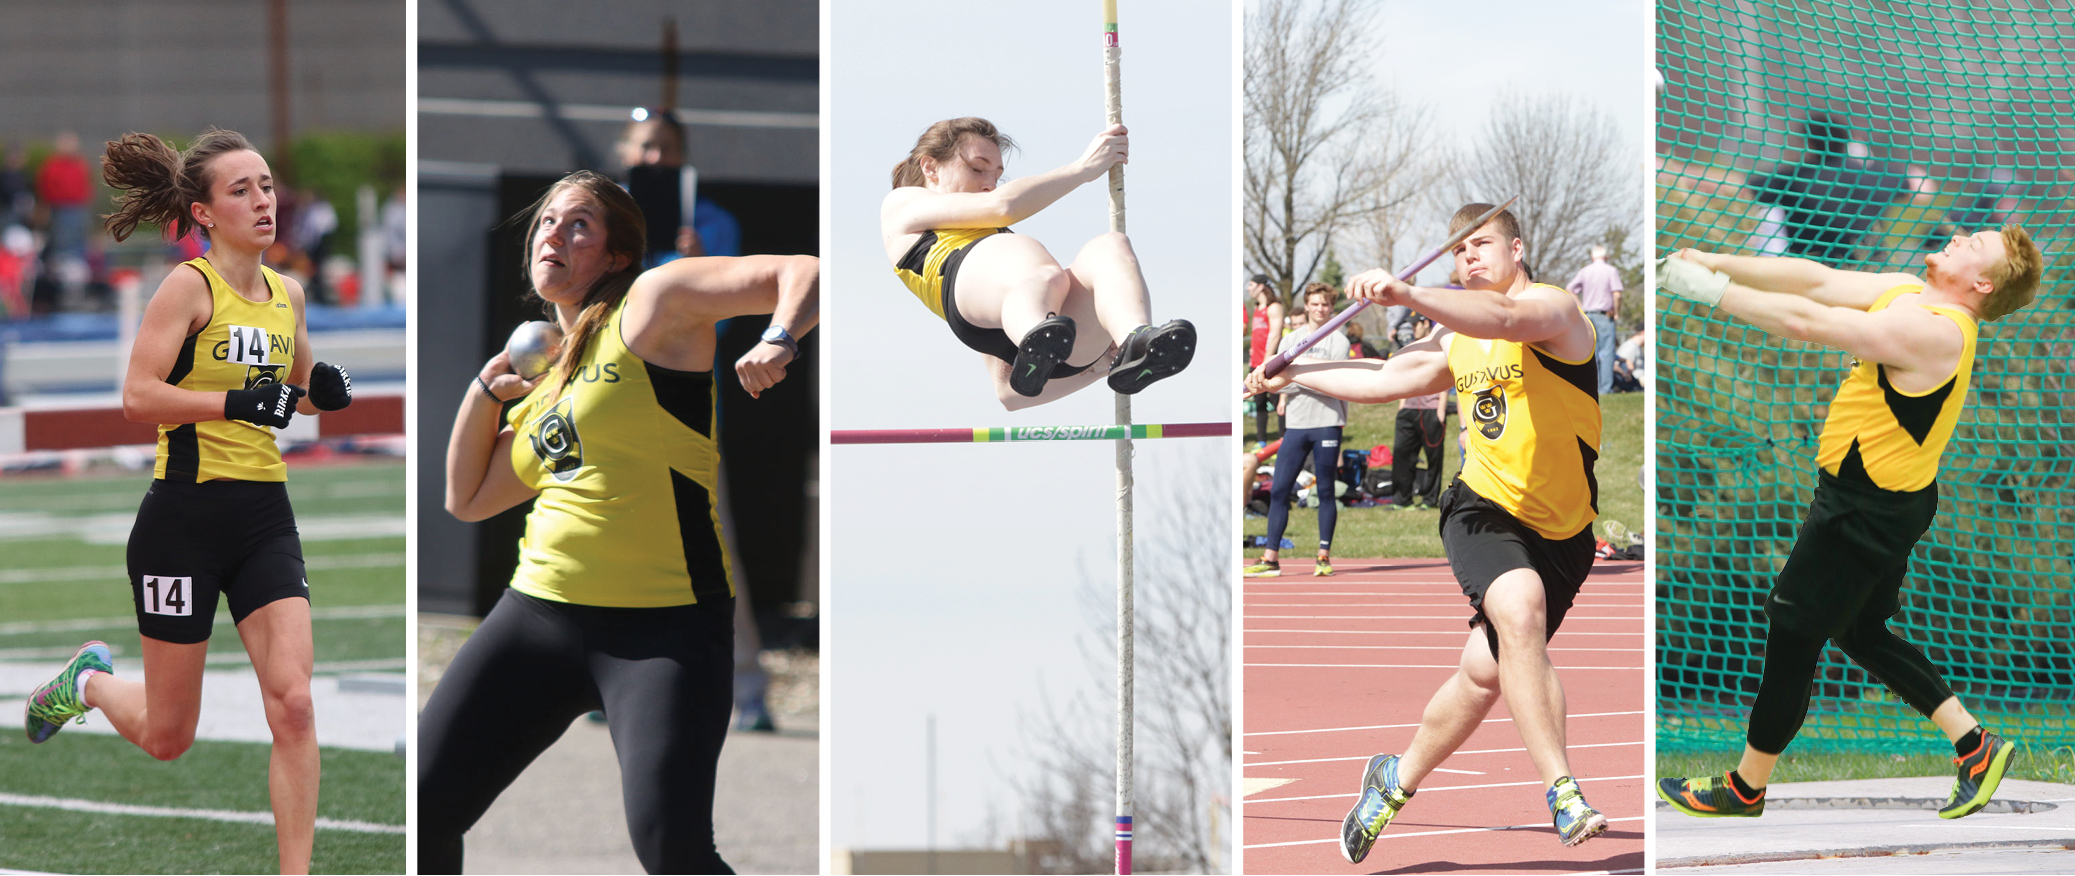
[(193, 541), (993, 342), (1851, 556), (1483, 541)]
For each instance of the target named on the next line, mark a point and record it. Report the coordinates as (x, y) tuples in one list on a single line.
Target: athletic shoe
[(1381, 799), (1264, 569), (58, 700), (1710, 797), (1980, 773), (1324, 569), (1043, 348), (1576, 822), (1150, 353)]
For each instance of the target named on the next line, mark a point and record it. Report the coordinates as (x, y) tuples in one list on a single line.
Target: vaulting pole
[(1113, 106)]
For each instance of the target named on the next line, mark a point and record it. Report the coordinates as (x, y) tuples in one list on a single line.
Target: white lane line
[(1536, 782), (88, 573), (1418, 648), (1437, 769), (1388, 835), (343, 612), (114, 529), (1404, 666), (226, 815), (1415, 724)]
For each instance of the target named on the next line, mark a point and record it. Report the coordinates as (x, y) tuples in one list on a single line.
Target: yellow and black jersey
[(1534, 430), (930, 267), (1879, 435), (628, 472), (245, 345)]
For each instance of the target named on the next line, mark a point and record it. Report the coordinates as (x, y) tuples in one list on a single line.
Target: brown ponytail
[(159, 184), (626, 233), (941, 141)]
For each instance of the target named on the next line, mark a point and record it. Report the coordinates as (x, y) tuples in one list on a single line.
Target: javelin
[(1282, 360)]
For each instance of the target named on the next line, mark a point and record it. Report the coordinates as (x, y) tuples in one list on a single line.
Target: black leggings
[(1790, 672), (1322, 445), (663, 678)]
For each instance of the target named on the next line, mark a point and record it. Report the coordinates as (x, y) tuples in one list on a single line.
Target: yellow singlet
[(931, 264), (245, 345), (1879, 435), (1534, 427), (628, 474)]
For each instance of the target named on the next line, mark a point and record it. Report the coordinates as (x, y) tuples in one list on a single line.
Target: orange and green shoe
[(1710, 797), (58, 700), (1980, 772)]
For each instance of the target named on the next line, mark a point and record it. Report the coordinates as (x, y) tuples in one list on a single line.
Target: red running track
[(1340, 668)]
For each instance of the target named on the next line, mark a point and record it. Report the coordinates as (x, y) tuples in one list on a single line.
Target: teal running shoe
[(58, 700), (1576, 822), (1380, 801)]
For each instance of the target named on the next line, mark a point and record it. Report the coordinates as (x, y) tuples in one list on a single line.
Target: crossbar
[(1006, 434)]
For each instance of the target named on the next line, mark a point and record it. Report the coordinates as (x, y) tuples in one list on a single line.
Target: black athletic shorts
[(193, 541), (1484, 541), (1851, 556), (993, 342)]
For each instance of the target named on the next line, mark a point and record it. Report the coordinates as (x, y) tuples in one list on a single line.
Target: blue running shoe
[(1380, 801), (1576, 822)]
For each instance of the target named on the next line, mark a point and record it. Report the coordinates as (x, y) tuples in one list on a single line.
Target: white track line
[(1416, 724), (1564, 667), (1387, 835), (1437, 769), (343, 612), (170, 812), (1536, 782)]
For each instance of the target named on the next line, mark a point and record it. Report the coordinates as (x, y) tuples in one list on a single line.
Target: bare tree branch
[(1575, 175)]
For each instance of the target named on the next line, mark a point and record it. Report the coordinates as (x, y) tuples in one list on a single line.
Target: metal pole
[(1113, 105), (930, 742)]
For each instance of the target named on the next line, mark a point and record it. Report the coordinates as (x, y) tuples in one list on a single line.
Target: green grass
[(2029, 764), (90, 586), (358, 785), (1388, 532)]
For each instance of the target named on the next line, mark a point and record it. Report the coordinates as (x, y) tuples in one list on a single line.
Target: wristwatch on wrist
[(777, 334)]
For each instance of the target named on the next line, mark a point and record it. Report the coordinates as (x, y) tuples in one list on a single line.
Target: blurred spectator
[(17, 199), (1989, 209), (1832, 196), (1264, 336), (1358, 347), (1598, 287), (395, 219), (63, 187), (1631, 364), (315, 223), (658, 141), (1419, 431)]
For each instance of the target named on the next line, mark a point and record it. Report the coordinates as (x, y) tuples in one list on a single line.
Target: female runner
[(221, 360), (623, 600), (1043, 330)]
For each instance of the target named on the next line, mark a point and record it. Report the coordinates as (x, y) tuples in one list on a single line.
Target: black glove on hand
[(331, 388), (269, 405)]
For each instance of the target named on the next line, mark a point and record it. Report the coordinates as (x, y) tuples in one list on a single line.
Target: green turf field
[(62, 582), (1386, 531)]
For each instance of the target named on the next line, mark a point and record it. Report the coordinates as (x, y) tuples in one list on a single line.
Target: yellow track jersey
[(245, 345), (1534, 432), (1879, 435), (933, 261), (628, 474)]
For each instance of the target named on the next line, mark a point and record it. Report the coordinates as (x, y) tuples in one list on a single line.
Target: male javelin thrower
[(1517, 522), (1912, 342)]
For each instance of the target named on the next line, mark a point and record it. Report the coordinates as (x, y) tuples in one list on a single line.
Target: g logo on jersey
[(1489, 410), (262, 375), (555, 440)]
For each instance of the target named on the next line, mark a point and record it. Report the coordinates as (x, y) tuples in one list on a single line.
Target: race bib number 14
[(168, 596), (249, 345)]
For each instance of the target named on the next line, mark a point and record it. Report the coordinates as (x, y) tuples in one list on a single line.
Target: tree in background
[(1182, 740), (1567, 162), (1325, 147)]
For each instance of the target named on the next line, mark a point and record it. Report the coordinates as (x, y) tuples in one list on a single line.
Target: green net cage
[(1864, 135)]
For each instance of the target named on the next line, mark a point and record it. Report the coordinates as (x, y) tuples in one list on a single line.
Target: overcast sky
[(955, 567)]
